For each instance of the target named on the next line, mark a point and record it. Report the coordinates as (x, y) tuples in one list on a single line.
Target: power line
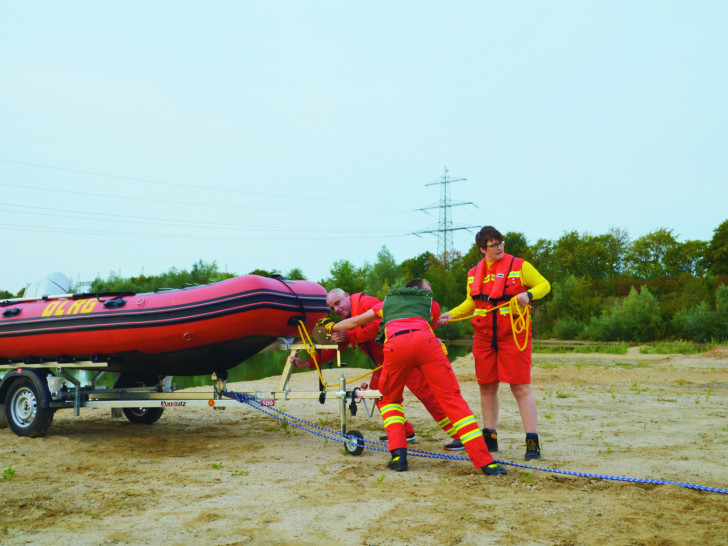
[(445, 226), (206, 188)]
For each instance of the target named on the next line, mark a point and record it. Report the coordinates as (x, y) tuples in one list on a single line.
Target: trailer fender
[(37, 376)]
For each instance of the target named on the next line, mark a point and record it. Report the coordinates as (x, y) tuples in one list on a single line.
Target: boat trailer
[(30, 394)]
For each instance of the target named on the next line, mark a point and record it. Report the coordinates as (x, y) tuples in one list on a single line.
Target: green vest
[(403, 303)]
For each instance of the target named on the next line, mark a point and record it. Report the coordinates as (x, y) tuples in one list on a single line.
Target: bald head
[(339, 302)]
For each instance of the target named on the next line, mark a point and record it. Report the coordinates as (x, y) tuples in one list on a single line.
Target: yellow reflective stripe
[(392, 407), (465, 421), (444, 422), (480, 312), (470, 436), (471, 279), (394, 419), (514, 274)]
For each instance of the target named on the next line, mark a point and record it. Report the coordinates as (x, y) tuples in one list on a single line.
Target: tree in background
[(296, 274), (686, 258), (515, 244), (201, 273), (540, 255), (646, 257), (571, 307), (616, 243), (721, 312), (262, 272), (383, 275), (717, 251), (346, 276), (416, 268)]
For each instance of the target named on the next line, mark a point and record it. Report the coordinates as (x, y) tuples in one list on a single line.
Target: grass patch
[(678, 347), (630, 365), (619, 348), (564, 394)]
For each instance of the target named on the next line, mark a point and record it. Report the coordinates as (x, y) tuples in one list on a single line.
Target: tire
[(141, 416), (355, 446), (23, 412)]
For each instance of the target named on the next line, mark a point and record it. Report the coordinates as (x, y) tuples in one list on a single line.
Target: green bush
[(568, 328), (637, 318), (696, 323), (721, 312)]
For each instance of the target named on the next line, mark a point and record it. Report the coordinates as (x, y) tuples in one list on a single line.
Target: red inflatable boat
[(192, 331)]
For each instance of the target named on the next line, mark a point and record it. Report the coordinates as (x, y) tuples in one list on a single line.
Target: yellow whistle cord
[(311, 350), (520, 320)]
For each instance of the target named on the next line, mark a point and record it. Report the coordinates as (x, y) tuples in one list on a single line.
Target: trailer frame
[(30, 394)]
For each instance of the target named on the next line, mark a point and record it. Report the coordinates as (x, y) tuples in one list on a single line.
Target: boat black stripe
[(144, 318)]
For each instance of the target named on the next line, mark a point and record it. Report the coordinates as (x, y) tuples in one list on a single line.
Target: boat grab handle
[(115, 303)]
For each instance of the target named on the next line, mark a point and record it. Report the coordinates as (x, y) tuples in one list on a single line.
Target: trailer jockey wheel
[(355, 446), (23, 412), (142, 416)]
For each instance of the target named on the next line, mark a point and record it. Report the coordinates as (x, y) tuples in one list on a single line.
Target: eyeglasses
[(496, 245)]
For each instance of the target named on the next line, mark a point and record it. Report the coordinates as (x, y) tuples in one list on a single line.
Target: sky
[(139, 136)]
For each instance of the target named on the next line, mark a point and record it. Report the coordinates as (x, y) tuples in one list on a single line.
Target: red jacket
[(361, 336)]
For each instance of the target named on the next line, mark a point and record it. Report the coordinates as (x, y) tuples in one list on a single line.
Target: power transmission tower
[(444, 225)]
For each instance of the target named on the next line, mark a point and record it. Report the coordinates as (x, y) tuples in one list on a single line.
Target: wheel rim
[(24, 407)]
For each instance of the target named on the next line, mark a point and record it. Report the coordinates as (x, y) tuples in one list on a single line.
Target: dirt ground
[(240, 476)]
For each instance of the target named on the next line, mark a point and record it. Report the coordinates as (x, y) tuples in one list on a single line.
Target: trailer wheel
[(23, 413), (355, 446), (142, 416)]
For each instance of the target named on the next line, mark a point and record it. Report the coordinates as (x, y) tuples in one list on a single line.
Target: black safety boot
[(399, 460), (491, 439), (533, 448), (494, 469)]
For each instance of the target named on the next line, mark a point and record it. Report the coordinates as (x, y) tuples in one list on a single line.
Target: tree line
[(603, 287)]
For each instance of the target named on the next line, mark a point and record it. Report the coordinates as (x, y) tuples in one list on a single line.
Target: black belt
[(483, 297), (402, 332)]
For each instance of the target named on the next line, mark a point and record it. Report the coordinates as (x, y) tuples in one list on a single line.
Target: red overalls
[(365, 338), (411, 346), (497, 358)]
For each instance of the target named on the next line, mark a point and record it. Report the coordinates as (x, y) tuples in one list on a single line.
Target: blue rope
[(369, 444)]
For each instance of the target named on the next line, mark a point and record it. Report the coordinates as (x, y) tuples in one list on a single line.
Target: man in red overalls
[(411, 345), (496, 279), (364, 337)]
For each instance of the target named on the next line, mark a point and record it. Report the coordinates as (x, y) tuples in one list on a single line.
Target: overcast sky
[(137, 136)]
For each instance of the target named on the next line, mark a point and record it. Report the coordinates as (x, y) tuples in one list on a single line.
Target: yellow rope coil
[(520, 319)]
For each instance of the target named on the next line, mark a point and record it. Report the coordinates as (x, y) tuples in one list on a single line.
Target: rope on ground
[(369, 444)]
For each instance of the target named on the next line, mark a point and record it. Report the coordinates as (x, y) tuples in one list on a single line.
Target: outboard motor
[(51, 285)]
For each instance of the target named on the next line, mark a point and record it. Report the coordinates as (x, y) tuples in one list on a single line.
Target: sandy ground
[(241, 477)]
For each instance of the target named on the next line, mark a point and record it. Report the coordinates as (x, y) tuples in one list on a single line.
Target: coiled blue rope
[(369, 444)]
